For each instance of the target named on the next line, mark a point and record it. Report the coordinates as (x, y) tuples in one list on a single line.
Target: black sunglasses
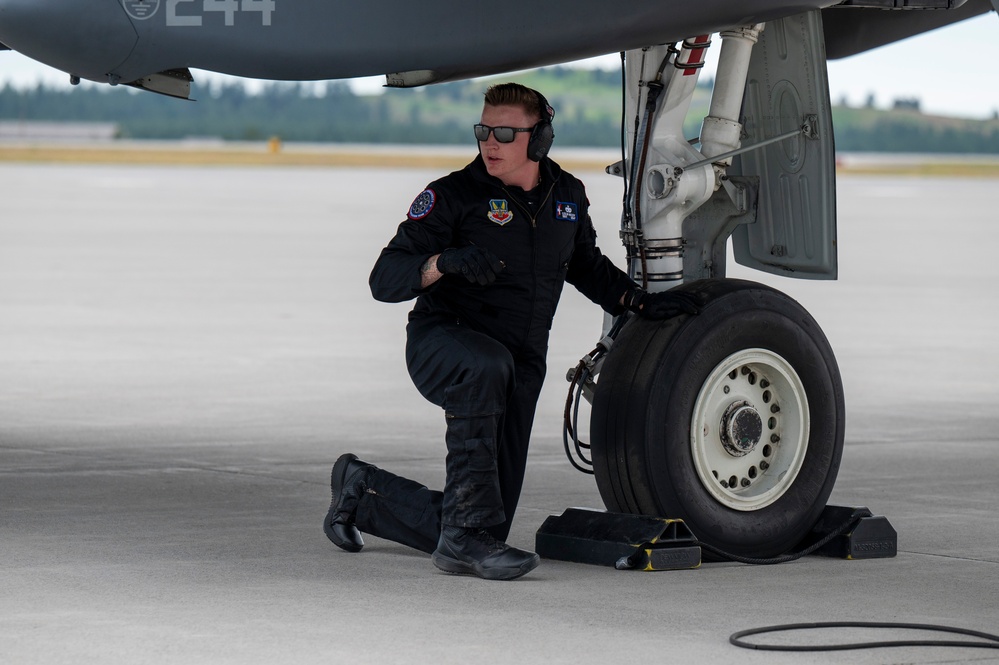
[(502, 134)]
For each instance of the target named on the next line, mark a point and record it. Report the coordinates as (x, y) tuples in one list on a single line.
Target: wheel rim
[(749, 429)]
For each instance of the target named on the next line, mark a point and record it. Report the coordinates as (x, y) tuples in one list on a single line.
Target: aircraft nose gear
[(731, 420)]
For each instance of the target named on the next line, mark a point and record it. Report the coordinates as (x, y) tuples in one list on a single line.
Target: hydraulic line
[(584, 371), (571, 414), (625, 214), (631, 221)]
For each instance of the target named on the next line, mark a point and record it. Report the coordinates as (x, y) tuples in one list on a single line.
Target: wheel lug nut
[(764, 465), (745, 482), (774, 438), (774, 408)]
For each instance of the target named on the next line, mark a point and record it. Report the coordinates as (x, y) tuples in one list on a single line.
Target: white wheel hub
[(749, 429)]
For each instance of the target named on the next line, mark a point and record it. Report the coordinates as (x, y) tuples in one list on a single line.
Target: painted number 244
[(228, 7)]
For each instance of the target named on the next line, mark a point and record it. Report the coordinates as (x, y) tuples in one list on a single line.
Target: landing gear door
[(794, 233)]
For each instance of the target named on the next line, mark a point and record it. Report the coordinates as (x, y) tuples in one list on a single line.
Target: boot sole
[(336, 489), (455, 567)]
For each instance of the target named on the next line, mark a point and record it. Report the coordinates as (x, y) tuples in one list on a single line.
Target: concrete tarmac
[(185, 351)]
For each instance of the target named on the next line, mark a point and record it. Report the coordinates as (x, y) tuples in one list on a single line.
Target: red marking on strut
[(696, 54)]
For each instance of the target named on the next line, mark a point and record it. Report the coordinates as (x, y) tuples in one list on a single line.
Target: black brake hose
[(570, 416), (991, 643), (581, 374)]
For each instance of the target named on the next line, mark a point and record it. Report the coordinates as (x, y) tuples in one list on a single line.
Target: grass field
[(273, 154)]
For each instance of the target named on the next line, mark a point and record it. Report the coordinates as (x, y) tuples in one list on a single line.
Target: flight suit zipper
[(534, 217), (534, 250)]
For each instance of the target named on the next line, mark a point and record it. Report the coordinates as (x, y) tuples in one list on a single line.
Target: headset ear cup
[(541, 141), (543, 134)]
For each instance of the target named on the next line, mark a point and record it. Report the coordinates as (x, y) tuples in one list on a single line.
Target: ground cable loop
[(736, 638)]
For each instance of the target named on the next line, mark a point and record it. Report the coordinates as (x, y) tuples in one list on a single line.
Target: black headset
[(543, 134)]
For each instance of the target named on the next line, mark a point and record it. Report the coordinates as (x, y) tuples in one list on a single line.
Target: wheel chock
[(597, 537), (872, 537)]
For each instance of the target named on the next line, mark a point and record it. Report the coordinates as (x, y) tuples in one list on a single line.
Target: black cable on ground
[(847, 525), (634, 560), (992, 643)]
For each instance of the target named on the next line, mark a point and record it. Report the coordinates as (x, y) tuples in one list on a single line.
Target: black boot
[(475, 552), (347, 482)]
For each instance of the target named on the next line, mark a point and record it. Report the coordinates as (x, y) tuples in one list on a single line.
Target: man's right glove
[(477, 264), (662, 305)]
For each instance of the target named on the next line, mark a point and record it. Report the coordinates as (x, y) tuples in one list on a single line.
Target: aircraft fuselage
[(124, 40)]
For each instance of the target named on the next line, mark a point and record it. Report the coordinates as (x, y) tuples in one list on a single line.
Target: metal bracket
[(808, 129)]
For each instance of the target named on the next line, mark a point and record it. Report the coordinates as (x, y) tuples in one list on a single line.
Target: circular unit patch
[(423, 204)]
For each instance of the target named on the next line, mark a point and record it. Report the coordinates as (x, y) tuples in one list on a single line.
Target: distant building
[(37, 130)]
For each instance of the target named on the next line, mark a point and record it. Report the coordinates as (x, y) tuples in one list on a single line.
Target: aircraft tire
[(732, 420)]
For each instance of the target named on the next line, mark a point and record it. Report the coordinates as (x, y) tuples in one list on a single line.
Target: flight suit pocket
[(474, 499), (480, 455)]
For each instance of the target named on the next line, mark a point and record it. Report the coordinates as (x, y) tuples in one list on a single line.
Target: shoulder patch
[(423, 204), (567, 212)]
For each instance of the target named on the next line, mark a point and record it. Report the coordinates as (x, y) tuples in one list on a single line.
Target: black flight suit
[(479, 351)]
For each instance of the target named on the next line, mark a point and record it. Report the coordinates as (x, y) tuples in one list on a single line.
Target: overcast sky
[(951, 70)]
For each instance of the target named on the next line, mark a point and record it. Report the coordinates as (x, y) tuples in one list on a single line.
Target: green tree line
[(587, 102), (321, 112)]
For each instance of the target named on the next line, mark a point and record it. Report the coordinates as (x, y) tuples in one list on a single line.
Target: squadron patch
[(423, 204), (567, 212), (499, 212)]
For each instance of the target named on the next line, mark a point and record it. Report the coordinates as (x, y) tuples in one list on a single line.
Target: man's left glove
[(662, 305)]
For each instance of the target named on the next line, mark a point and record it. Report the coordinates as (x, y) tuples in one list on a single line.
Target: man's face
[(509, 161)]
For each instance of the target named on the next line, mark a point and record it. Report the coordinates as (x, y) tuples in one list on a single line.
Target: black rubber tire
[(645, 396)]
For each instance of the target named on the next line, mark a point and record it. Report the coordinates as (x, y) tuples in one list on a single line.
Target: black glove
[(662, 305), (478, 265)]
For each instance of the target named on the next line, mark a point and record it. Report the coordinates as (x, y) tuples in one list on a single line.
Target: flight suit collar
[(550, 172)]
